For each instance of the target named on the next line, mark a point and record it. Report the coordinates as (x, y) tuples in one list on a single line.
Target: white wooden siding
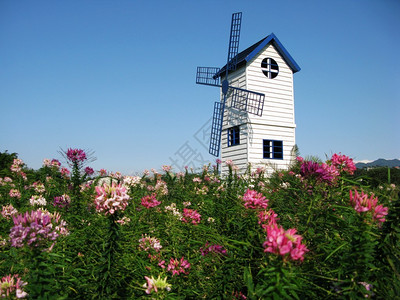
[(237, 153), (235, 117), (278, 104), (276, 123)]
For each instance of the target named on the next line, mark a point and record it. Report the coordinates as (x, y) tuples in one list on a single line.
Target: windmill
[(242, 99)]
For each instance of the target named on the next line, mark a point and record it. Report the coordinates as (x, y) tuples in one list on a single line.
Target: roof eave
[(279, 47)]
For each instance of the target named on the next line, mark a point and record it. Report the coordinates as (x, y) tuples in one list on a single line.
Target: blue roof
[(246, 55)]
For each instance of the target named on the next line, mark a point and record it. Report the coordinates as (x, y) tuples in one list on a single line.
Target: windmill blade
[(216, 128), (234, 42), (206, 75), (251, 102)]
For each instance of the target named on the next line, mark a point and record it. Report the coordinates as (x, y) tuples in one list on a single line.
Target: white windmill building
[(254, 121)]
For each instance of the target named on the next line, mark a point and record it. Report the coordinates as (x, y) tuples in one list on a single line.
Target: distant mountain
[(391, 163)]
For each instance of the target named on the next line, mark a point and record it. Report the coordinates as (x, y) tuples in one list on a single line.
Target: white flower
[(38, 200)]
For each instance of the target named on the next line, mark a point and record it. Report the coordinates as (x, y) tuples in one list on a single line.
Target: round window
[(269, 67)]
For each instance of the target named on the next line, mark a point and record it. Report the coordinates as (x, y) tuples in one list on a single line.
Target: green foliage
[(379, 176), (350, 255)]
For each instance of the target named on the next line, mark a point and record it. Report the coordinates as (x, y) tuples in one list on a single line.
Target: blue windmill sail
[(234, 41), (216, 128), (245, 100), (206, 75)]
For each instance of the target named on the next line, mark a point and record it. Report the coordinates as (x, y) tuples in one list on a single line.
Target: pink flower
[(218, 249), (266, 218), (89, 171), (36, 228), (62, 201), (362, 204), (123, 221), (254, 200), (10, 284), (343, 163), (238, 295), (150, 285), (177, 267), (65, 172), (76, 155), (147, 243), (111, 198), (229, 163), (39, 187), (197, 180), (14, 193), (285, 243), (191, 215), (55, 163), (166, 168), (379, 213), (16, 166), (161, 187), (8, 211), (156, 284), (161, 264), (322, 172), (150, 201), (327, 173)]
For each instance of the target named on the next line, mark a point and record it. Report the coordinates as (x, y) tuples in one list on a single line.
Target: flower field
[(315, 231)]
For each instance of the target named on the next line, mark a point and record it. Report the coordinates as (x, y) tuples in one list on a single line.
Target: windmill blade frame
[(234, 42), (249, 101), (206, 76), (216, 128), (242, 99)]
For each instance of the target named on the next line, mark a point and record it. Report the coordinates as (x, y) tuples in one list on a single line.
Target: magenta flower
[(36, 228), (10, 284), (111, 198), (322, 172), (254, 200), (218, 249), (150, 201), (62, 201), (76, 155), (177, 267), (343, 163), (285, 243), (379, 213), (55, 163), (89, 171), (266, 218), (327, 173), (191, 215)]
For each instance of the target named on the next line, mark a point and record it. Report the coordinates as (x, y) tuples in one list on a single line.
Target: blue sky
[(118, 77)]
